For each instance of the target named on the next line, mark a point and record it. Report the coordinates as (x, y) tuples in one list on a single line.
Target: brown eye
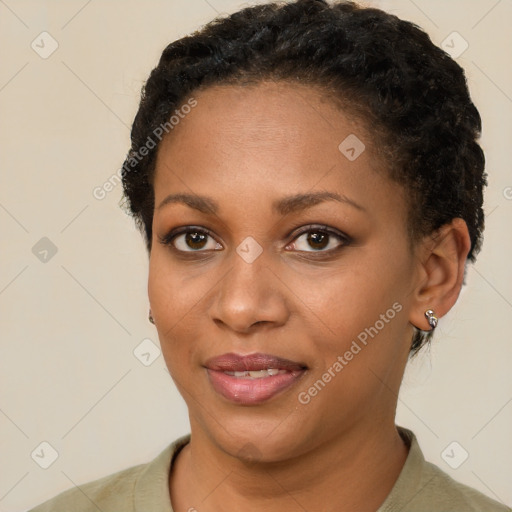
[(191, 240), (319, 240), (195, 240)]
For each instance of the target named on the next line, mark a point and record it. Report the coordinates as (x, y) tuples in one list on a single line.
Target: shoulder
[(424, 487), (445, 493), (98, 494), (135, 488)]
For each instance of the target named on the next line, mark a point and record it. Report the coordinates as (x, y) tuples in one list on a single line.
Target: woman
[(309, 186)]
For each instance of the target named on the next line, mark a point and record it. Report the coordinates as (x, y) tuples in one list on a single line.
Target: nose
[(251, 296)]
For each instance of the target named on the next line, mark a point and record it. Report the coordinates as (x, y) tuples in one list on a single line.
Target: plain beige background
[(71, 321)]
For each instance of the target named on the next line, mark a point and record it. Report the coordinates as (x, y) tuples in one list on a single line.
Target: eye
[(319, 239), (191, 239)]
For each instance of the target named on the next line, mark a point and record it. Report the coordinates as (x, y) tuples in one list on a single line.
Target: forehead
[(269, 112), (266, 139)]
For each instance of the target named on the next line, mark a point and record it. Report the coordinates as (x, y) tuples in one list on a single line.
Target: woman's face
[(296, 261)]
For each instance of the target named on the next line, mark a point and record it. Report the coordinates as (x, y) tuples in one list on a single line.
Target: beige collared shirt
[(420, 487)]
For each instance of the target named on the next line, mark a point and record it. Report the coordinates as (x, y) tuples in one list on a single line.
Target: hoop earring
[(150, 318), (432, 318)]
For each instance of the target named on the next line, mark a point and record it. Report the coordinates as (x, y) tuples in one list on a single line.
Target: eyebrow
[(284, 206)]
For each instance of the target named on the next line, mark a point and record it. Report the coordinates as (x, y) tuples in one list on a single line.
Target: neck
[(355, 472)]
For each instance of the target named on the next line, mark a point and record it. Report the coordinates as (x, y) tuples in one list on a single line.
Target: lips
[(254, 378), (251, 362)]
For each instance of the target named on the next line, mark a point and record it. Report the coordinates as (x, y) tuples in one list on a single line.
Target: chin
[(254, 438)]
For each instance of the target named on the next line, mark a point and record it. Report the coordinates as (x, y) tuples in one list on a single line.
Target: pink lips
[(244, 388)]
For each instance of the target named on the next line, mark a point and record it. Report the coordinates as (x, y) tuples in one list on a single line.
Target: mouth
[(254, 378)]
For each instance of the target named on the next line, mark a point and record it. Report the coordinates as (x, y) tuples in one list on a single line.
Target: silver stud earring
[(150, 317), (432, 318)]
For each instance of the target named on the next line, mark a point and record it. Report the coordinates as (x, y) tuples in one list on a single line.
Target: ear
[(441, 264)]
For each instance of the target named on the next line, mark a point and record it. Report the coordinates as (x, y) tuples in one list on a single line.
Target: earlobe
[(442, 260)]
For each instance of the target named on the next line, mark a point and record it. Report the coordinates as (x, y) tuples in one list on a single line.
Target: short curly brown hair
[(411, 94)]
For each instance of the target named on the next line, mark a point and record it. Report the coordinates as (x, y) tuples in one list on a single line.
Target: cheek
[(359, 340), (351, 297), (363, 302), (172, 305), (173, 294), (179, 300)]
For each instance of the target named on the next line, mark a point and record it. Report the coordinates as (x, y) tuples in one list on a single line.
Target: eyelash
[(344, 240)]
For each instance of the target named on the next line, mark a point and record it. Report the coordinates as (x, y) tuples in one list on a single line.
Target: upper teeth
[(256, 374)]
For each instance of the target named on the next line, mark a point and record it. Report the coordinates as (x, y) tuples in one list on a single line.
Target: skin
[(246, 147)]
